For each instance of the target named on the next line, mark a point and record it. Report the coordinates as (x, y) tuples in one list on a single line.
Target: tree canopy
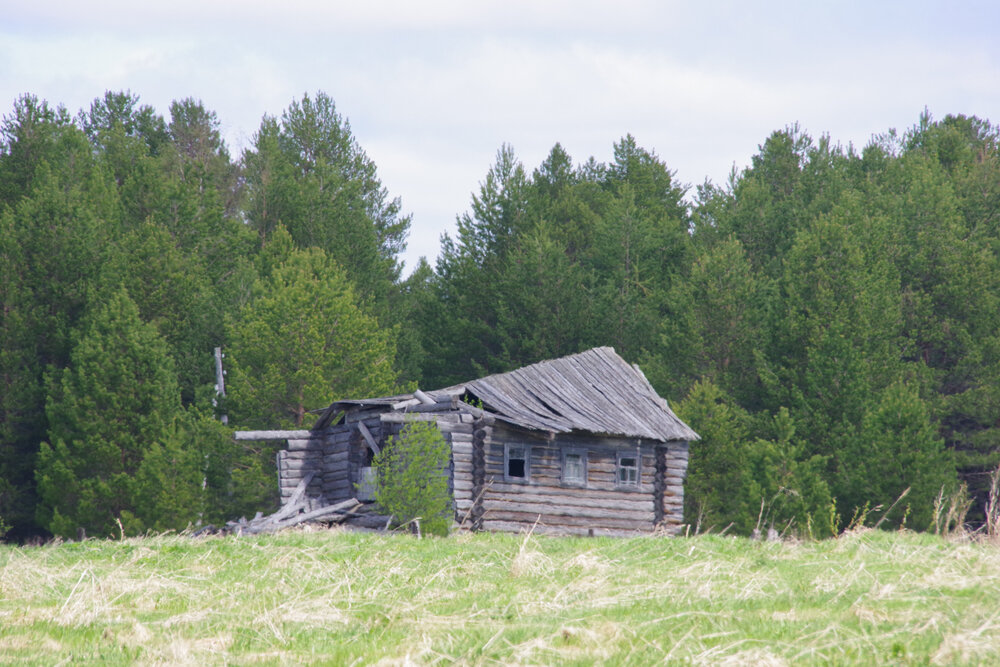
[(828, 318)]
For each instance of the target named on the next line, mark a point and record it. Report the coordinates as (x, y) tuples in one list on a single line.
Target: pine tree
[(302, 342)]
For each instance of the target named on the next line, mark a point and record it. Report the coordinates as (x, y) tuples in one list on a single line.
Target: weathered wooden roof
[(595, 391)]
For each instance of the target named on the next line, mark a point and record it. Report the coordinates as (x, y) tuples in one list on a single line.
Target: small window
[(516, 462), (628, 469), (574, 467)]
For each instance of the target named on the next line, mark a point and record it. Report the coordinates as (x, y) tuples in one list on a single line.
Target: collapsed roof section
[(594, 391)]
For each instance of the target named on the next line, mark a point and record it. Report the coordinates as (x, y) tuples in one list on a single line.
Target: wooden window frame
[(635, 455), (582, 453), (506, 463)]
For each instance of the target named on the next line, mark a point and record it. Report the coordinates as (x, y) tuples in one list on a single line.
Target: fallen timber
[(297, 510)]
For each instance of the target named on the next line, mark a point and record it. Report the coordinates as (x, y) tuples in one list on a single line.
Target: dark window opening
[(517, 463)]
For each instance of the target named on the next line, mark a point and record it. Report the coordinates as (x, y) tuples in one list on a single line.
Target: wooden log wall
[(600, 507), (300, 457), (674, 457), (337, 483), (484, 499)]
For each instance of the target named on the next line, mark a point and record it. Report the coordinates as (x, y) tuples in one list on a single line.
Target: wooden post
[(220, 381)]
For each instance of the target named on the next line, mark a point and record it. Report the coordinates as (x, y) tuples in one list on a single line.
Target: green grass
[(342, 598)]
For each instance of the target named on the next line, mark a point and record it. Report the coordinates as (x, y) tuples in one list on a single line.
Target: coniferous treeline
[(827, 320)]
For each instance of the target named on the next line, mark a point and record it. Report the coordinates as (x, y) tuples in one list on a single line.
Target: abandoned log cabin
[(577, 445)]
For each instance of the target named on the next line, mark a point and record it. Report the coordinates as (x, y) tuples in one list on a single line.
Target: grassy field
[(351, 598)]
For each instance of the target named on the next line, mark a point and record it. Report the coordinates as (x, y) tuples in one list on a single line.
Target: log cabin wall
[(336, 465), (294, 462), (598, 504), (674, 456), (486, 498)]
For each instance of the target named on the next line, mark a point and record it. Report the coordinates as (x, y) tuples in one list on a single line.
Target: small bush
[(412, 472)]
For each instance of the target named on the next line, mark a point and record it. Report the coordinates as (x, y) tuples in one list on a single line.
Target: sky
[(433, 89)]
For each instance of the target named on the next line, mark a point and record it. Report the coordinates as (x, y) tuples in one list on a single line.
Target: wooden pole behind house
[(220, 380)]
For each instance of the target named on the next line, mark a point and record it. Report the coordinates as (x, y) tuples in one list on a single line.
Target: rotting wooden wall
[(600, 507), (483, 499)]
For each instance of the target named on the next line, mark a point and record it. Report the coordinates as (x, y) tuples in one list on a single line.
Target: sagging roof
[(595, 391)]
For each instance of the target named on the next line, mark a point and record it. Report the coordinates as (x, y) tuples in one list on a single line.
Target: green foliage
[(720, 488), (301, 342), (308, 173), (897, 447), (412, 472), (117, 397), (825, 311)]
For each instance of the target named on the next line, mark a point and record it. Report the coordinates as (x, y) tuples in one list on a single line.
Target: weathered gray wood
[(445, 405), (542, 529), (403, 417), (300, 490), (423, 398), (336, 459), (299, 464), (367, 435), (304, 445), (302, 454), (362, 415), (583, 507), (272, 435), (557, 492), (461, 447), (529, 518), (328, 512)]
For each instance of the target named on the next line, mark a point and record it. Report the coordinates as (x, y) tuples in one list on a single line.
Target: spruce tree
[(116, 398)]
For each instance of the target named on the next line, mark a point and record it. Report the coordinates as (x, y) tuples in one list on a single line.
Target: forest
[(828, 319)]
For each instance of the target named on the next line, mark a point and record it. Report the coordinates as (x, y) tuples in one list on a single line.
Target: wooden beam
[(423, 398), (367, 435), (274, 435), (403, 417)]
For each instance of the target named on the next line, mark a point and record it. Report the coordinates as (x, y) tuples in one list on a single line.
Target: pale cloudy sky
[(432, 89)]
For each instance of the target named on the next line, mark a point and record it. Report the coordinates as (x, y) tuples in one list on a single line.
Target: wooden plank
[(563, 504), (304, 445), (367, 435), (302, 454), (591, 510), (293, 464), (402, 405), (529, 518), (362, 415), (542, 529), (402, 418), (423, 398), (559, 491), (273, 435)]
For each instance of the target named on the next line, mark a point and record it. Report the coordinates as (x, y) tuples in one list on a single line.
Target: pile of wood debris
[(300, 509)]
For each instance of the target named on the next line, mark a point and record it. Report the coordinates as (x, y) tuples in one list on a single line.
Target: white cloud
[(433, 88)]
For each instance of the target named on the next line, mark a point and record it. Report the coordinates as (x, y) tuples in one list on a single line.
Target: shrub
[(412, 473)]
